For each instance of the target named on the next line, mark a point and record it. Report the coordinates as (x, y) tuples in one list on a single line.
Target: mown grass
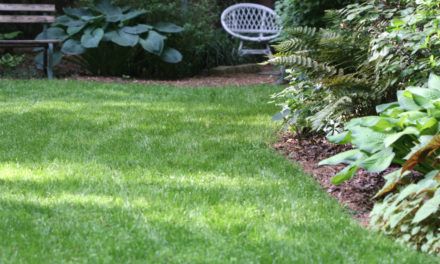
[(101, 173)]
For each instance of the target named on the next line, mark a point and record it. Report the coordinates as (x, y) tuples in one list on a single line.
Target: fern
[(290, 45), (306, 62), (301, 31)]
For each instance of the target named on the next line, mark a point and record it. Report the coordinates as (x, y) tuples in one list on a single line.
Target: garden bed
[(355, 194)]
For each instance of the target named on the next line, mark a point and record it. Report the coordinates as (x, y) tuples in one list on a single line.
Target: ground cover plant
[(126, 173), (95, 32), (405, 133)]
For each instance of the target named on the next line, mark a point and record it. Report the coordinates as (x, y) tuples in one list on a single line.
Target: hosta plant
[(82, 29), (10, 60), (405, 133)]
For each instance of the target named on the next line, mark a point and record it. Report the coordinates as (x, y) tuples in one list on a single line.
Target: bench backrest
[(27, 13)]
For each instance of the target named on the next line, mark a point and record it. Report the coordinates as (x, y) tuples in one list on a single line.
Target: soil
[(356, 194)]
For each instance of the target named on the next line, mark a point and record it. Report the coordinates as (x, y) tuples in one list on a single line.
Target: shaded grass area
[(103, 173)]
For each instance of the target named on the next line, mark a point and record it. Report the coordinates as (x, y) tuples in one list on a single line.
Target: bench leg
[(49, 69), (45, 59)]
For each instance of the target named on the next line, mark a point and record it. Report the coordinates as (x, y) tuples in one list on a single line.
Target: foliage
[(9, 60), (82, 29), (406, 132), (306, 12), (202, 42), (325, 86)]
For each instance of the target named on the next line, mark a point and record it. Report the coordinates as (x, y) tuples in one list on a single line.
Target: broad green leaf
[(52, 33), (346, 157), (341, 138), (73, 30), (72, 47), (171, 55), (381, 108), (154, 43), (390, 139), (92, 37), (345, 174), (367, 139), (39, 59), (431, 94), (9, 35), (434, 82), (167, 27), (122, 39), (138, 29), (379, 161), (77, 12), (69, 22), (132, 14), (406, 100), (429, 208), (112, 13)]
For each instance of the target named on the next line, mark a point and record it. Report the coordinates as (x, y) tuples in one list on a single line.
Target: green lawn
[(103, 173)]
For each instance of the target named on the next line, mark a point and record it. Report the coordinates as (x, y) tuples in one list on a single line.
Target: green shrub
[(306, 12), (104, 25), (202, 43), (10, 61), (407, 133)]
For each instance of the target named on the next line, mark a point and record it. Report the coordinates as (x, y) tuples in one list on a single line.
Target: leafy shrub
[(82, 29), (202, 43), (325, 86), (405, 132), (9, 60), (306, 12)]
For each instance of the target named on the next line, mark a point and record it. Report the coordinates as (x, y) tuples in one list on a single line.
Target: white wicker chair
[(251, 22)]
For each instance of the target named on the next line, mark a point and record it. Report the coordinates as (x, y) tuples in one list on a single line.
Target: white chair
[(251, 22)]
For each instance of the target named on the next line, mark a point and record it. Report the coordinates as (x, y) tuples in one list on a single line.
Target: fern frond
[(319, 119), (303, 61), (305, 30), (290, 45)]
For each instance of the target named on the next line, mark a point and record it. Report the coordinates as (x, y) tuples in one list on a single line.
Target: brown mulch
[(356, 194), (239, 79)]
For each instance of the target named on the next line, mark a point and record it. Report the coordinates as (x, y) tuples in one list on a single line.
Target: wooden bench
[(19, 14)]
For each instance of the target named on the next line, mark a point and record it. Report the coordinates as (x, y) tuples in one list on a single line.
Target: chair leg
[(240, 49), (50, 62)]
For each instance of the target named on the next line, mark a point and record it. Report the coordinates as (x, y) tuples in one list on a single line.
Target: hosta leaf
[(105, 7), (77, 12), (132, 14), (39, 59), (381, 108), (72, 47), (122, 39), (346, 157), (69, 22), (138, 29), (389, 140), (52, 33), (154, 43), (92, 37), (406, 101), (431, 94), (379, 161), (430, 207), (367, 139), (73, 30), (9, 35), (166, 27), (345, 174), (341, 138), (434, 82), (171, 55)]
